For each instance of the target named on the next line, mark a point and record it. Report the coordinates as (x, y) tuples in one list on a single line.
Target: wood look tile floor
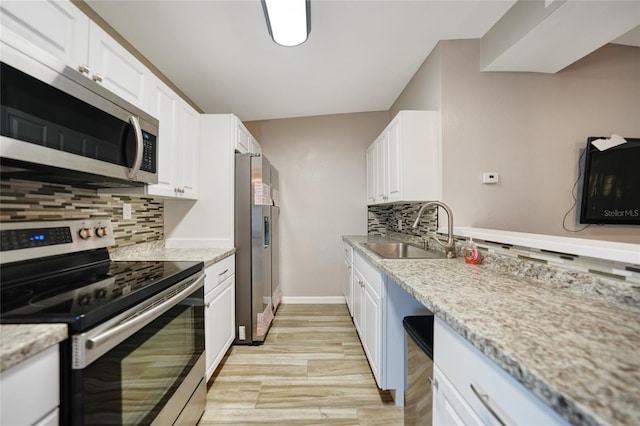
[(311, 370)]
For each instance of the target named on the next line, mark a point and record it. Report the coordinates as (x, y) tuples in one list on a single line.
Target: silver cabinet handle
[(128, 327), (139, 147), (484, 399), (223, 272), (84, 69), (97, 78)]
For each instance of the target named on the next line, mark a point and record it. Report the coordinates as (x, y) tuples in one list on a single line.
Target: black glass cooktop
[(83, 296)]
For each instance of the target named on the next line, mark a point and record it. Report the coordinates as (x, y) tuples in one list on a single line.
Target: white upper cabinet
[(404, 163), (115, 68), (188, 150), (164, 106), (245, 142), (372, 159), (243, 138), (46, 30), (58, 32), (179, 144), (255, 146)]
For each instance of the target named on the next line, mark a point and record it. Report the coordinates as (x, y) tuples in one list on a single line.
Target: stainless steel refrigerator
[(257, 247)]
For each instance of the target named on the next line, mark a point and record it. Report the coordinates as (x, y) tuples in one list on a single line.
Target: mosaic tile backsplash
[(27, 201), (613, 281), (399, 218)]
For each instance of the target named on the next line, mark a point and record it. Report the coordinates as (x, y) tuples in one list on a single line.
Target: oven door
[(144, 366)]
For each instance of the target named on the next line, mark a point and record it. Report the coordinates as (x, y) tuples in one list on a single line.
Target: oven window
[(131, 383)]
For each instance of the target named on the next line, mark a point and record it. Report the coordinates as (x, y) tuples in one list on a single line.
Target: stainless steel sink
[(400, 250)]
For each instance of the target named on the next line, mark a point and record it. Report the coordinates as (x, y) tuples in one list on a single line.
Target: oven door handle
[(130, 326)]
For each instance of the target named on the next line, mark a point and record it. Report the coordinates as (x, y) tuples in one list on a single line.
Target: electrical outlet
[(126, 211), (242, 333), (490, 177), (399, 224)]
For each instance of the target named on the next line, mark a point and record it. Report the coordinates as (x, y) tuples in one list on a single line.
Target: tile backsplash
[(26, 201), (399, 218)]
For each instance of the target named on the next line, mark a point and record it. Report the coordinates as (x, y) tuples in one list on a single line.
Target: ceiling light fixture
[(288, 21)]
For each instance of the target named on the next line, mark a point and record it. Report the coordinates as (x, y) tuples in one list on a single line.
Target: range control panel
[(31, 240)]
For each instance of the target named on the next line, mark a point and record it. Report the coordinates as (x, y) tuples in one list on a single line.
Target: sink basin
[(399, 250)]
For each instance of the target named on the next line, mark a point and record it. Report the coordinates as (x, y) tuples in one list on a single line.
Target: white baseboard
[(319, 300)]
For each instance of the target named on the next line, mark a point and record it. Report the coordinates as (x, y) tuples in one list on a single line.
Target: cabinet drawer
[(371, 274), (348, 252), (30, 390), (219, 272), (465, 366)]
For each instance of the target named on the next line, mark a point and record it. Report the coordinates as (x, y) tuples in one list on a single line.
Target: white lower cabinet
[(473, 389), (30, 390), (449, 408), (219, 314), (367, 311), (347, 277)]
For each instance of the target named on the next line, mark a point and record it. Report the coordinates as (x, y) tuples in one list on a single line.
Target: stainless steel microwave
[(59, 126)]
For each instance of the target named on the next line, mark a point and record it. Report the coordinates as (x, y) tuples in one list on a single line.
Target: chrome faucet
[(450, 246)]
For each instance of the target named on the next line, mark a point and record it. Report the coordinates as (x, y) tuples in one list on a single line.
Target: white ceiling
[(359, 56)]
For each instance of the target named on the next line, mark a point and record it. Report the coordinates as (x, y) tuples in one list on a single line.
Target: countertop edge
[(22, 341), (156, 251)]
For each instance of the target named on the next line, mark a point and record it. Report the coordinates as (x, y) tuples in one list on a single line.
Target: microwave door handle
[(139, 147)]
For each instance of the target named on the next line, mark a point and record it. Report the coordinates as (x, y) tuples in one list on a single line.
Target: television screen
[(611, 184)]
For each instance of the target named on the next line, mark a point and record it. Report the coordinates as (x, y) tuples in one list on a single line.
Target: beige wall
[(529, 128), (424, 90), (321, 163)]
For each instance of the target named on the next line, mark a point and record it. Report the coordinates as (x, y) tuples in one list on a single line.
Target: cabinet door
[(449, 408), (115, 68), (164, 106), (189, 149), (393, 163), (372, 175), (30, 390), (381, 172), (57, 30), (243, 139), (372, 330), (219, 322), (358, 308), (255, 146), (347, 285)]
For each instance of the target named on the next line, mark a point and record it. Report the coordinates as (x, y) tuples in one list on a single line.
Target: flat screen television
[(611, 184)]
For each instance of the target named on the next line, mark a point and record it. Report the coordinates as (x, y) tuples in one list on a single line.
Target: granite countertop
[(157, 251), (21, 341), (577, 353)]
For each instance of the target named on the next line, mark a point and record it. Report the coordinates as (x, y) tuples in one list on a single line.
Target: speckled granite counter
[(576, 352), (21, 341), (157, 251)]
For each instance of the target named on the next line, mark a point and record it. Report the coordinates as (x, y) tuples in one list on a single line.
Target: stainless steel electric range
[(136, 349)]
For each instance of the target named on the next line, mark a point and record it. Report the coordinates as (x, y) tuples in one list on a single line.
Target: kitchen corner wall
[(529, 128), (27, 201), (321, 164)]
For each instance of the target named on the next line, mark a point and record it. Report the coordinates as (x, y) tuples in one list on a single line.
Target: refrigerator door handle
[(267, 232)]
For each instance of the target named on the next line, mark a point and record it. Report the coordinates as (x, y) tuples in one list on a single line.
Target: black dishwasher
[(418, 402)]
